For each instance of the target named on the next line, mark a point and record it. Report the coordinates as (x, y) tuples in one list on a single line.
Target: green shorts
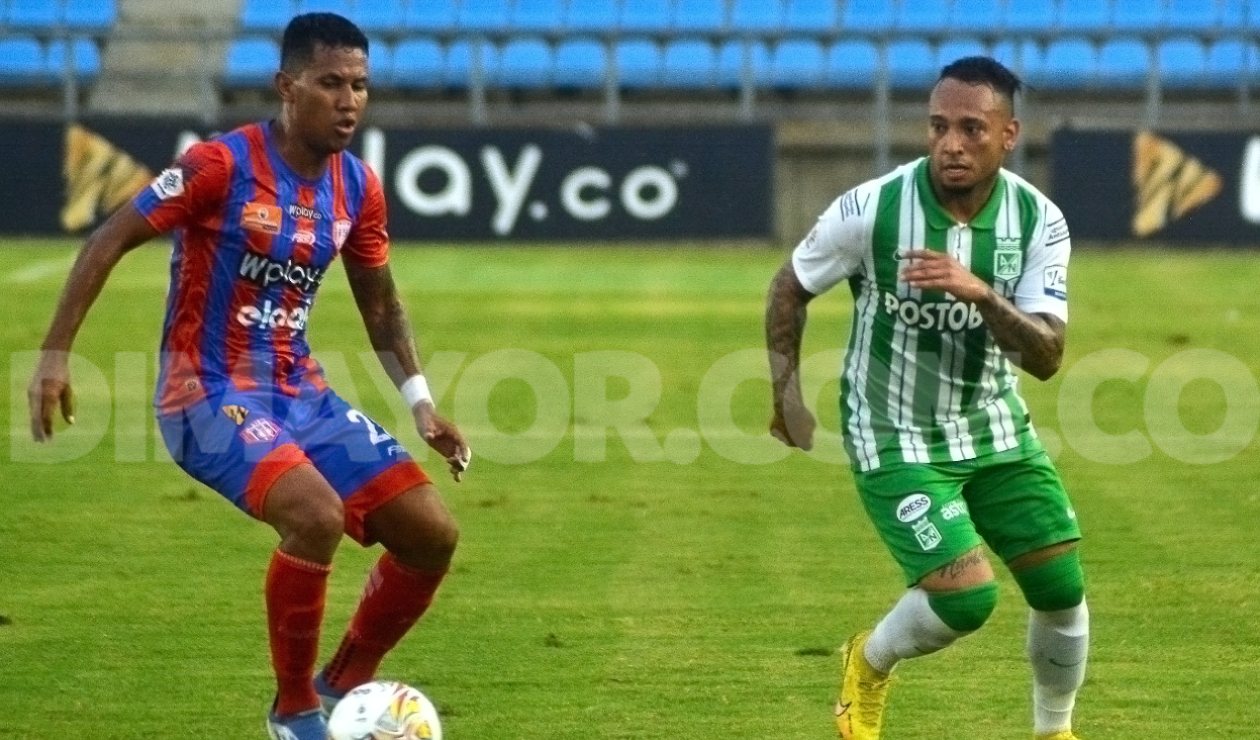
[(930, 514)]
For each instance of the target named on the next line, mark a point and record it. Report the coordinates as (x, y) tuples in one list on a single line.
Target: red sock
[(394, 598), (295, 609)]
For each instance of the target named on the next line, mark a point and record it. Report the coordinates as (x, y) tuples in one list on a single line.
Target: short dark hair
[(307, 31), (979, 70)]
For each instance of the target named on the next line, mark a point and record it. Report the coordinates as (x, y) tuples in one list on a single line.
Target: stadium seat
[(1182, 62), (1083, 16), (1023, 57), (1230, 63), (591, 16), (638, 63), (646, 16), (537, 16), (924, 16), (432, 16), (958, 47), (851, 65), (811, 15), (419, 63), (911, 64), (90, 15), (379, 16), (524, 62), (699, 16), (1028, 16), (1193, 15), (735, 55), (580, 63), (344, 8), (797, 63), (869, 16), (488, 16), (1068, 64), (265, 16), (465, 60), (251, 62), (380, 61), (1235, 14), (22, 62), (756, 16), (976, 16), (689, 63), (33, 14), (1138, 16), (85, 59), (1123, 62)]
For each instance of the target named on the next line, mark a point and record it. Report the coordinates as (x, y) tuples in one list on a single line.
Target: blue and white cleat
[(328, 696), (308, 725)]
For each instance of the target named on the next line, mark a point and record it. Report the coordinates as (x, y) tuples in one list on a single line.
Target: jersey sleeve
[(835, 248), (1043, 286), (368, 242), (194, 185)]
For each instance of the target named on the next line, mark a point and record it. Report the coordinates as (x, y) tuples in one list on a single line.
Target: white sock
[(1058, 643), (911, 629)]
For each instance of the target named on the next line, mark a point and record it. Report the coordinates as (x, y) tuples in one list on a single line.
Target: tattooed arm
[(792, 423)]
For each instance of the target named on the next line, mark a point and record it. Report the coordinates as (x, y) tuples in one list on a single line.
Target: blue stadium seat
[(537, 16), (1194, 15), (592, 16), (524, 62), (1229, 63), (911, 64), (1235, 14), (580, 63), (732, 57), (465, 59), (923, 16), (90, 15), (811, 15), (85, 59), (22, 62), (340, 7), (1182, 62), (699, 16), (1029, 16), (958, 47), (483, 15), (380, 61), (977, 16), (638, 63), (646, 16), (419, 63), (1138, 16), (33, 14), (1123, 62), (689, 63), (1069, 63), (797, 63), (756, 16), (851, 65), (1083, 16), (266, 16), (1023, 57), (379, 16), (251, 62), (868, 15), (432, 16)]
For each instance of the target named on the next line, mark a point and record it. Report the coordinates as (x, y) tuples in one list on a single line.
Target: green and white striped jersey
[(923, 380)]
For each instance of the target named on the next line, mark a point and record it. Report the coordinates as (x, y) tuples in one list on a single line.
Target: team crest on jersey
[(236, 413), (1008, 259), (260, 430), (341, 230), (261, 217)]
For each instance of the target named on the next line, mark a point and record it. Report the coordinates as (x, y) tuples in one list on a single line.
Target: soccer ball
[(384, 710)]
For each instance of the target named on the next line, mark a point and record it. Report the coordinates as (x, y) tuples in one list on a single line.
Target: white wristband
[(414, 390)]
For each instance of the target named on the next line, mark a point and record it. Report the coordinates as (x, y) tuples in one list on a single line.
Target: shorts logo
[(926, 533), (912, 507), (260, 430), (341, 230), (236, 413), (261, 217), (169, 184)]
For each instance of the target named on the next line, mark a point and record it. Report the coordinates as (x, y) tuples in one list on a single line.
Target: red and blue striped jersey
[(253, 241)]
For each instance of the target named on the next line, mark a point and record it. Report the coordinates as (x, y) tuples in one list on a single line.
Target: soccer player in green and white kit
[(958, 269)]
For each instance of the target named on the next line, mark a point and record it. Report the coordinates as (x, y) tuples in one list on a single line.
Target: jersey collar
[(936, 215)]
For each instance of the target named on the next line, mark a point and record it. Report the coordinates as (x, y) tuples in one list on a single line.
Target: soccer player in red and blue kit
[(258, 215)]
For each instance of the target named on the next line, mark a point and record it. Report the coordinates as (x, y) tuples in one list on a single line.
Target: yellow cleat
[(1060, 735), (863, 693)]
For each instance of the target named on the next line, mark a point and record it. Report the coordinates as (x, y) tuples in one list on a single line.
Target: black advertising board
[(1169, 187), (584, 183)]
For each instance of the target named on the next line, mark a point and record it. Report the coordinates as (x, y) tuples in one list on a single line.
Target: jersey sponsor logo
[(169, 184), (270, 316), (1054, 281), (261, 217), (1057, 231), (266, 272), (303, 237), (297, 211), (235, 413), (341, 230), (952, 316), (850, 206), (260, 430), (913, 507), (1008, 260), (953, 510)]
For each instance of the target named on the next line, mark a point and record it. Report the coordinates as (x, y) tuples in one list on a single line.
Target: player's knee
[(321, 522), (1058, 583), (965, 610)]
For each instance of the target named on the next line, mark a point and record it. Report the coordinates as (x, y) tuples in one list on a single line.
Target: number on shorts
[(376, 435)]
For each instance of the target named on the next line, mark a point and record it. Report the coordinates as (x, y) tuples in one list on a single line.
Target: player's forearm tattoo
[(386, 322), (785, 325), (1034, 342)]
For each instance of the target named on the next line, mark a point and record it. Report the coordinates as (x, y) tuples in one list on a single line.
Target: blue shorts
[(240, 442)]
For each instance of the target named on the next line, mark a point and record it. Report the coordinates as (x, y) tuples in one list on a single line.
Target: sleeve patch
[(1057, 231), (169, 184), (1055, 281)]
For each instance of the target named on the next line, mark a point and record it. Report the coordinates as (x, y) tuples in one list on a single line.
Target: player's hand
[(793, 424), (50, 389), (444, 437), (928, 270)]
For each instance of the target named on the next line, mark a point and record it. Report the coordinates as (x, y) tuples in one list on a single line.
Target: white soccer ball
[(384, 710)]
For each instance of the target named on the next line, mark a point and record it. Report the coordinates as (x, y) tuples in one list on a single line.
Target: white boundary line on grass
[(37, 271)]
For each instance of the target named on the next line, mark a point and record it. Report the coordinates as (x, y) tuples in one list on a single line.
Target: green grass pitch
[(673, 576)]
